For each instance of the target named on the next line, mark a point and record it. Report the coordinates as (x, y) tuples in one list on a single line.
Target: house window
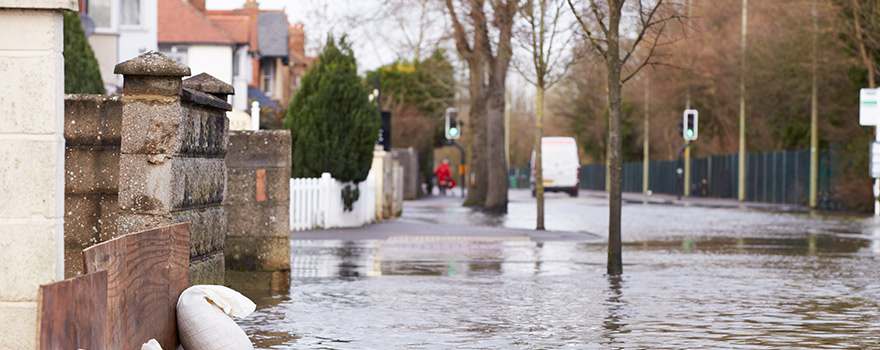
[(99, 10), (131, 12), (268, 76), (236, 60)]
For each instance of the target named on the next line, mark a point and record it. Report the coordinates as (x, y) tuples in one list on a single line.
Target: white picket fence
[(317, 203)]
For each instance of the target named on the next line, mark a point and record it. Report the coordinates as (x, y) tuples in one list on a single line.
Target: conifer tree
[(333, 124), (81, 74)]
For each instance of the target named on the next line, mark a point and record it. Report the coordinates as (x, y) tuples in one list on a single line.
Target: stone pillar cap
[(208, 84), (152, 64)]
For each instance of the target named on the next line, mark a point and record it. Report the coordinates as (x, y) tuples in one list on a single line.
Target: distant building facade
[(123, 29)]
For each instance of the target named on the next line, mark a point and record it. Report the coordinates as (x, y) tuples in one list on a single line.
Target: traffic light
[(453, 131), (690, 125)]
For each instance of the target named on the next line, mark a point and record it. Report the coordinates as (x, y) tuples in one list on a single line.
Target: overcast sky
[(321, 17)]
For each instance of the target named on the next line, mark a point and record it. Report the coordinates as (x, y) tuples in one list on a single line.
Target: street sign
[(875, 160), (869, 109)]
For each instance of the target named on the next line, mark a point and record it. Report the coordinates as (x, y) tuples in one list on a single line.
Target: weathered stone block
[(108, 216), (207, 270), (204, 131), (92, 120), (81, 220), (27, 258), (198, 181), (151, 126), (207, 230), (241, 185), (33, 93), (258, 219), (28, 170), (259, 149), (91, 170), (19, 322), (131, 223), (151, 86), (88, 220), (257, 253), (147, 184), (269, 281), (205, 100), (208, 84)]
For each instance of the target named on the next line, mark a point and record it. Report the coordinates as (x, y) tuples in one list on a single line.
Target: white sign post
[(869, 107), (869, 115)]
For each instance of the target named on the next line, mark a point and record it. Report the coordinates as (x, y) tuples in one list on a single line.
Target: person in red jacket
[(444, 177)]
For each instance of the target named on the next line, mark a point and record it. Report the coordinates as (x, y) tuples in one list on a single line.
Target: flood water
[(770, 281)]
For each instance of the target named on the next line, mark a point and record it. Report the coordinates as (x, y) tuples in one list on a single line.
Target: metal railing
[(771, 177)]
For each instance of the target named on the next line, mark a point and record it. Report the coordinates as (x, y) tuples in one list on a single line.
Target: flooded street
[(697, 278)]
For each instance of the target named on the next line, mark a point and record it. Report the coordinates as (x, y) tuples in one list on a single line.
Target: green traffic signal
[(690, 132), (453, 132)]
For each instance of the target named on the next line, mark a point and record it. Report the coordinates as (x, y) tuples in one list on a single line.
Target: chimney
[(199, 4)]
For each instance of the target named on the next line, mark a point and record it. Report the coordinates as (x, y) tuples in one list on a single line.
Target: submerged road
[(442, 276)]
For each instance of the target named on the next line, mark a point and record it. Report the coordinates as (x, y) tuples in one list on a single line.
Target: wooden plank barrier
[(72, 314), (146, 272)]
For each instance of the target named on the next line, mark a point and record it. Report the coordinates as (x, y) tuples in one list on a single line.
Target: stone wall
[(151, 157), (92, 126), (171, 162), (409, 161), (258, 209)]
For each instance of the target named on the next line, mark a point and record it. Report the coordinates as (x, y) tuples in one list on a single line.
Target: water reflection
[(770, 291), (614, 319)]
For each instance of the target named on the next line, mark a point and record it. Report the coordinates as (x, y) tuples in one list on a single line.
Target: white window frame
[(140, 25), (269, 86), (114, 19)]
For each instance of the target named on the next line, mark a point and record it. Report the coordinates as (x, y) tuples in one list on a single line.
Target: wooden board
[(71, 314), (146, 272)]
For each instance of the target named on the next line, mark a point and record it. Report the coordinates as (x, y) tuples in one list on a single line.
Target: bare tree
[(546, 38), (601, 24), (488, 54), (862, 21)]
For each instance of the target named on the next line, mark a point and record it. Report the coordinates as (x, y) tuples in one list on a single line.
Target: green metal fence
[(772, 177)]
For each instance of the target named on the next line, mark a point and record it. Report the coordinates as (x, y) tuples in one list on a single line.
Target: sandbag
[(151, 345), (204, 318)]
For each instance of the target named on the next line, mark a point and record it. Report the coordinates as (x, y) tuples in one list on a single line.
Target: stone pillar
[(171, 166), (383, 171), (258, 209), (31, 161)]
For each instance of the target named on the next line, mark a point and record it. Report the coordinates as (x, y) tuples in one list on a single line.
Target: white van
[(560, 165)]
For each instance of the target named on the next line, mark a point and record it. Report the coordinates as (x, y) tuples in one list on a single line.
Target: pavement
[(403, 227), (581, 219)]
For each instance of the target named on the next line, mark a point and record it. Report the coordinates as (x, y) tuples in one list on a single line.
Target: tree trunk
[(612, 60), (496, 196), (539, 167), (476, 195)]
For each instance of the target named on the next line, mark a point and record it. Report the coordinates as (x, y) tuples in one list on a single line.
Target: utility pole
[(687, 150), (741, 195), (645, 156), (507, 128), (814, 117)]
